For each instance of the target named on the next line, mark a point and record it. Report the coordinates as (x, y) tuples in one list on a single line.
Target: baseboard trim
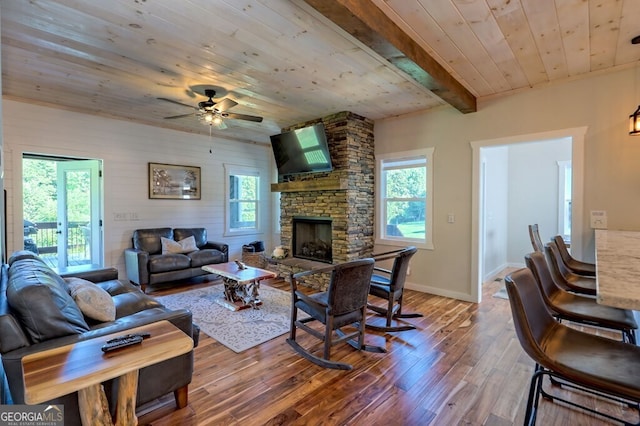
[(439, 292)]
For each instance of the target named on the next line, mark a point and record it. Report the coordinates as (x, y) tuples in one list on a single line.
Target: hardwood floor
[(463, 365)]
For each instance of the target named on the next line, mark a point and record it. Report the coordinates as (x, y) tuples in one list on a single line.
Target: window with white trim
[(564, 199), (243, 200), (405, 200)]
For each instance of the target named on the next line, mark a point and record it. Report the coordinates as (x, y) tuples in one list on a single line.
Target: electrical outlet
[(598, 219), (451, 218)]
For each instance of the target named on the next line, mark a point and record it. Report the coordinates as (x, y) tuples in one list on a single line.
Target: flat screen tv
[(302, 150)]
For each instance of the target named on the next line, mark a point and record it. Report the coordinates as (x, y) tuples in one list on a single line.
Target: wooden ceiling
[(292, 61)]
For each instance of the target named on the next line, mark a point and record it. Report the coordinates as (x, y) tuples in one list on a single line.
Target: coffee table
[(240, 285)]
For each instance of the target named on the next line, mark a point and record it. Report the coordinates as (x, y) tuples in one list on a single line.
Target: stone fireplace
[(344, 196), (312, 239)]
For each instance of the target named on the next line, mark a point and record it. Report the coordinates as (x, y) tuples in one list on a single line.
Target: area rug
[(239, 330)]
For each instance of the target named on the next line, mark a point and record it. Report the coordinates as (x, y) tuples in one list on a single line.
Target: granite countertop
[(618, 268)]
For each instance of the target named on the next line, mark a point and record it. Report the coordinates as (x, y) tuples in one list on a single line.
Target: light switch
[(598, 219)]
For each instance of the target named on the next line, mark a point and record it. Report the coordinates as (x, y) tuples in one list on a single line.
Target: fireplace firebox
[(312, 238)]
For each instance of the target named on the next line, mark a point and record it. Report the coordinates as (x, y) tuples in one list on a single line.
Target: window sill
[(242, 233), (404, 243)]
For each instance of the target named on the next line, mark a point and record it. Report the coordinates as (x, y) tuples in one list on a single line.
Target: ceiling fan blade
[(243, 117), (225, 104), (178, 116), (176, 102)]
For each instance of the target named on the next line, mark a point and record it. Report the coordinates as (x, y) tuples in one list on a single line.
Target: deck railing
[(46, 239)]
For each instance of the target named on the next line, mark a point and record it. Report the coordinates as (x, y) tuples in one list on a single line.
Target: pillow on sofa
[(93, 301), (186, 245)]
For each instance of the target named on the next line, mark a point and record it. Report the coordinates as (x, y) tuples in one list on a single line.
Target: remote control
[(121, 342), (143, 334), (241, 265)]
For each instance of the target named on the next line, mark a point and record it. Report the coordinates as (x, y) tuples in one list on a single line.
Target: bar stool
[(534, 236), (574, 265), (563, 277), (577, 308), (575, 359)]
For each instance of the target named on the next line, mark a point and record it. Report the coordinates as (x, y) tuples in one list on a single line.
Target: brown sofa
[(147, 264), (38, 312)]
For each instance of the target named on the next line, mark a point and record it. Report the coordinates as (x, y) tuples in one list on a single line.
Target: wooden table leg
[(94, 409), (127, 391)]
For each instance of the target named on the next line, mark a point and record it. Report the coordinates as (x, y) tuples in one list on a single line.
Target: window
[(564, 199), (405, 198), (242, 200)]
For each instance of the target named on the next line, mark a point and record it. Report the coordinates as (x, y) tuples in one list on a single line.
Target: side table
[(83, 367)]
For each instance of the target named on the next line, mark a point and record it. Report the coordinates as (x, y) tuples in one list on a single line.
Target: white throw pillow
[(186, 245), (93, 300)]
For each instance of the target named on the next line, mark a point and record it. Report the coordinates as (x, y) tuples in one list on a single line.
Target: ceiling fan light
[(217, 120), (208, 117)]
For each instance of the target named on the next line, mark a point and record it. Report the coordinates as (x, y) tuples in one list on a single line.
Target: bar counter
[(618, 268)]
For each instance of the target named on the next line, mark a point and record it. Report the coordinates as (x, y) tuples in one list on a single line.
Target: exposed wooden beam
[(367, 23)]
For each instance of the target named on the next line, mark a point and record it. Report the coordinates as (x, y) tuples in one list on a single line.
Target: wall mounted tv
[(302, 150)]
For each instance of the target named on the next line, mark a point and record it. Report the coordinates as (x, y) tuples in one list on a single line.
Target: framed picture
[(173, 182)]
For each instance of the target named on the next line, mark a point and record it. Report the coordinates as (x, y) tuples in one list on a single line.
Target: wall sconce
[(634, 119), (634, 123)]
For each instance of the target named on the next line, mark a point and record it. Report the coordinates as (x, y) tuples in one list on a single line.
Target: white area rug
[(238, 330)]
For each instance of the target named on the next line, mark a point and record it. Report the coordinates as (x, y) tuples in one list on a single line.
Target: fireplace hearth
[(312, 238)]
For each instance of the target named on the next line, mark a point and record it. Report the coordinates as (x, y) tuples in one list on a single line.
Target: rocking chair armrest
[(328, 268), (386, 255), (293, 278), (379, 269)]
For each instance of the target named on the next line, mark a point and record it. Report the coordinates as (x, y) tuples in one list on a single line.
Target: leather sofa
[(37, 312), (147, 263)]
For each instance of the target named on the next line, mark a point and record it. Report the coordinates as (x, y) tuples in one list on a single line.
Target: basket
[(256, 260)]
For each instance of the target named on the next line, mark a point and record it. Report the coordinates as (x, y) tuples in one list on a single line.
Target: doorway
[(481, 198), (62, 205)]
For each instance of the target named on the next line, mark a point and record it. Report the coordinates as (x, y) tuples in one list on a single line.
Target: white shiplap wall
[(126, 148)]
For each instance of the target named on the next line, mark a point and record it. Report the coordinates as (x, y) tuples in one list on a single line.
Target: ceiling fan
[(213, 113)]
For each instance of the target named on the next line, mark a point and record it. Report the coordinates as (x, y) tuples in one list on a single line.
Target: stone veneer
[(351, 146)]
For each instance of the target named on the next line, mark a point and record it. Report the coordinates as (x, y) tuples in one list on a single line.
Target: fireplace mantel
[(321, 184)]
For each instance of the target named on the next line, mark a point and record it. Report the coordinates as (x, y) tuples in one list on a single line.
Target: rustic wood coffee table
[(240, 285)]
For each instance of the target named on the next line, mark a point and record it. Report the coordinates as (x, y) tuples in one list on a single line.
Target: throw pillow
[(93, 301), (186, 245)]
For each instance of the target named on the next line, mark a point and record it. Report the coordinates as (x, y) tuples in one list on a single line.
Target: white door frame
[(577, 198), (97, 253)]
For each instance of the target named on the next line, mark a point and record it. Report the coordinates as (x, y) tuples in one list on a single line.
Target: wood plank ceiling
[(288, 62)]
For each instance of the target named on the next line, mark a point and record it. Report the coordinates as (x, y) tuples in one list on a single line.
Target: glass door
[(78, 224)]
